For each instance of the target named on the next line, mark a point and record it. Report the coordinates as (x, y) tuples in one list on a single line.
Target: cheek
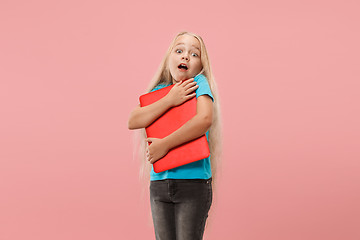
[(171, 63), (198, 65)]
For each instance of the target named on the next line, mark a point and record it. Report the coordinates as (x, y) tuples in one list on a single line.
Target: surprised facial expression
[(184, 59)]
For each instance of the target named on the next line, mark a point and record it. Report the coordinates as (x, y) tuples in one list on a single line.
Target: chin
[(177, 78), (182, 77)]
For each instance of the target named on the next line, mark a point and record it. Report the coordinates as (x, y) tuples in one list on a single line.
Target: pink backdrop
[(288, 78)]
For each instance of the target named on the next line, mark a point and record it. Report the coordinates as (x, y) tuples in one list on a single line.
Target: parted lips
[(183, 65)]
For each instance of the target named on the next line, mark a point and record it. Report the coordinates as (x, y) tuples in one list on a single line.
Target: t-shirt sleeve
[(156, 88), (204, 87), (159, 86)]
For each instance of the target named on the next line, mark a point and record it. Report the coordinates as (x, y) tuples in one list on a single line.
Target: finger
[(191, 95), (187, 81), (191, 84), (189, 90)]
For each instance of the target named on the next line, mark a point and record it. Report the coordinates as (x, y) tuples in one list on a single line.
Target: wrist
[(166, 143), (168, 101)]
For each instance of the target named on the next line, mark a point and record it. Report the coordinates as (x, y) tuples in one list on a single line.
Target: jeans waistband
[(184, 180)]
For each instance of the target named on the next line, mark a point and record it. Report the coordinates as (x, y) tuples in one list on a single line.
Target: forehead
[(188, 40)]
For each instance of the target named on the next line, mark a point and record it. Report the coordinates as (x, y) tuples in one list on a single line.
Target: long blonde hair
[(163, 76)]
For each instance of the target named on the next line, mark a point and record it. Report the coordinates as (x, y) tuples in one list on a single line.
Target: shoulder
[(159, 86), (204, 87), (200, 78)]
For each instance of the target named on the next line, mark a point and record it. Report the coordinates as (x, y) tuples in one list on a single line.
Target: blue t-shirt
[(196, 170)]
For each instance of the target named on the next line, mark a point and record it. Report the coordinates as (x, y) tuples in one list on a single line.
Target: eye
[(178, 50), (195, 55)]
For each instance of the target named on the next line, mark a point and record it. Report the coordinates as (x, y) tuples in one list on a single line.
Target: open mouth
[(183, 66)]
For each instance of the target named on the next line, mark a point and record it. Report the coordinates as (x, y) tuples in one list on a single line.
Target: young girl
[(180, 198)]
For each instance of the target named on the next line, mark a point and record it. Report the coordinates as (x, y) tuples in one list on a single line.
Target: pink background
[(288, 78)]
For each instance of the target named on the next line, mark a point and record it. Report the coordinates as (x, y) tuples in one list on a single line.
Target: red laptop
[(169, 122)]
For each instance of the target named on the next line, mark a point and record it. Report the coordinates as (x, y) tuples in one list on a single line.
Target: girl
[(180, 198)]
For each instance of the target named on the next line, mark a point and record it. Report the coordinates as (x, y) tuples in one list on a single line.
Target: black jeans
[(180, 207)]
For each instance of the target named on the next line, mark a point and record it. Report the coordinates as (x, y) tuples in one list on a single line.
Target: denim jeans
[(180, 208)]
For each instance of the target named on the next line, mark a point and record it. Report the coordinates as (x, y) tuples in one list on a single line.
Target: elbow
[(130, 126), (207, 121), (136, 121), (131, 123)]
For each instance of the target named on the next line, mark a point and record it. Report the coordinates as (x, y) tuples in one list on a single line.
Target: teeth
[(183, 65)]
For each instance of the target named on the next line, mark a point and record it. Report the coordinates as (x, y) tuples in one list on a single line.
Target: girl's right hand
[(182, 91)]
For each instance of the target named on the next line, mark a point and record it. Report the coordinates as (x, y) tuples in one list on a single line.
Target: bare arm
[(196, 126), (192, 129), (142, 117)]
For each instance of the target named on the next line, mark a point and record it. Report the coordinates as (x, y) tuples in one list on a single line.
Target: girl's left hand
[(156, 150)]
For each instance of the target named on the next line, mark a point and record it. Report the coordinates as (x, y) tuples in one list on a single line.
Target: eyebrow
[(191, 45)]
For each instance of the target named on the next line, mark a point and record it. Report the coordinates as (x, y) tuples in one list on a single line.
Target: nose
[(185, 56)]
